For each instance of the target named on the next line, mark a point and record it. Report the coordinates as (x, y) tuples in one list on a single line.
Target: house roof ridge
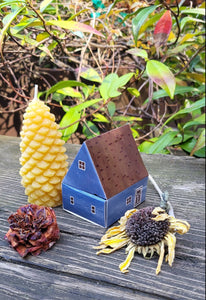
[(116, 159)]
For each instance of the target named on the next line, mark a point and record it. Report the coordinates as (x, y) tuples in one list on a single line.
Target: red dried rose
[(33, 228)]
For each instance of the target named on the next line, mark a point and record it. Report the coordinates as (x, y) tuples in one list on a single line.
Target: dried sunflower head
[(146, 231), (33, 228)]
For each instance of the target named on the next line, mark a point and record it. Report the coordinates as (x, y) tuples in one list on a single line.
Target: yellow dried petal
[(124, 265), (171, 242), (161, 257)]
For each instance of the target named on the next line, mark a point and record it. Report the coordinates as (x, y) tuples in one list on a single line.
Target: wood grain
[(71, 269)]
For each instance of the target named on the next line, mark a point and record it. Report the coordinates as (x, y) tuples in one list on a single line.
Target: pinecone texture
[(43, 157)]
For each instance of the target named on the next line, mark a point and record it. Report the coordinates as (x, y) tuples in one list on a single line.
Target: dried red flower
[(33, 228)]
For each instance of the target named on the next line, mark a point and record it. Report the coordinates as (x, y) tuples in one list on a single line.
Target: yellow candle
[(43, 157)]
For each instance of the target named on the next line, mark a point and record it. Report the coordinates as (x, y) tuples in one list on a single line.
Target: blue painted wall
[(105, 212), (117, 206), (83, 203), (86, 180)]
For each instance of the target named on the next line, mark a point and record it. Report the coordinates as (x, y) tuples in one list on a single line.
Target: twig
[(188, 63), (160, 123), (87, 116), (10, 84)]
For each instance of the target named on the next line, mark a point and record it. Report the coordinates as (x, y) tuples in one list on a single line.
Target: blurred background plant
[(102, 64)]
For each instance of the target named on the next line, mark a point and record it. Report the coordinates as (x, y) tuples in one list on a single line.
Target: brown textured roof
[(117, 160)]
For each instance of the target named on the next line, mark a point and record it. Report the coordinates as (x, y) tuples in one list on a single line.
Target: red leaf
[(164, 25), (162, 29)]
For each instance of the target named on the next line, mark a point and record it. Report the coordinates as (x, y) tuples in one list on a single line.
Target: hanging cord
[(164, 203)]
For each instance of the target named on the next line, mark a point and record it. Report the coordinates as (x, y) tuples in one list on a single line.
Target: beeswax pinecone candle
[(43, 159)]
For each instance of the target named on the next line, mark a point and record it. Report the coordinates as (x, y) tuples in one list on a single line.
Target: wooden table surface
[(72, 270)]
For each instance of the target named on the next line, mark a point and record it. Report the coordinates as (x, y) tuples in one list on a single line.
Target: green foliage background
[(107, 51)]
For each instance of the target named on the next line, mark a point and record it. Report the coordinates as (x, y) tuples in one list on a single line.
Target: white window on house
[(128, 200), (93, 209), (81, 165), (72, 200), (138, 196)]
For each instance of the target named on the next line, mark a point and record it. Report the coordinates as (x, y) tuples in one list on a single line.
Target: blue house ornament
[(106, 178)]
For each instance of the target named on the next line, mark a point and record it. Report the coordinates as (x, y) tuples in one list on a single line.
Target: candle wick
[(35, 92)]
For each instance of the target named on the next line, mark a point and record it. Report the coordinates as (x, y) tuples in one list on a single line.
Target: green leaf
[(135, 133), (7, 22), (100, 118), (111, 83), (190, 144), (69, 91), (138, 52), (196, 105), (200, 143), (178, 49), (73, 115), (179, 90), (105, 86), (74, 26), (196, 77), (189, 19), (162, 76), (34, 43), (126, 119), (92, 75), (162, 142), (25, 22), (10, 2), (88, 90), (146, 145), (196, 11), (69, 118), (111, 108), (44, 5), (78, 13), (90, 130), (197, 121), (63, 84), (58, 97), (151, 21), (122, 80), (133, 91), (81, 106), (140, 19)]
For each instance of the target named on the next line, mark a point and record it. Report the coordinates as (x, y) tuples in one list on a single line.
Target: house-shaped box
[(106, 178)]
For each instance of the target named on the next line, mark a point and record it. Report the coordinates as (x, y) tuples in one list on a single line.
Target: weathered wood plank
[(73, 256), (57, 286), (72, 261)]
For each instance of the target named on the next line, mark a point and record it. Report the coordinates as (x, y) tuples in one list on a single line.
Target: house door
[(138, 196)]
